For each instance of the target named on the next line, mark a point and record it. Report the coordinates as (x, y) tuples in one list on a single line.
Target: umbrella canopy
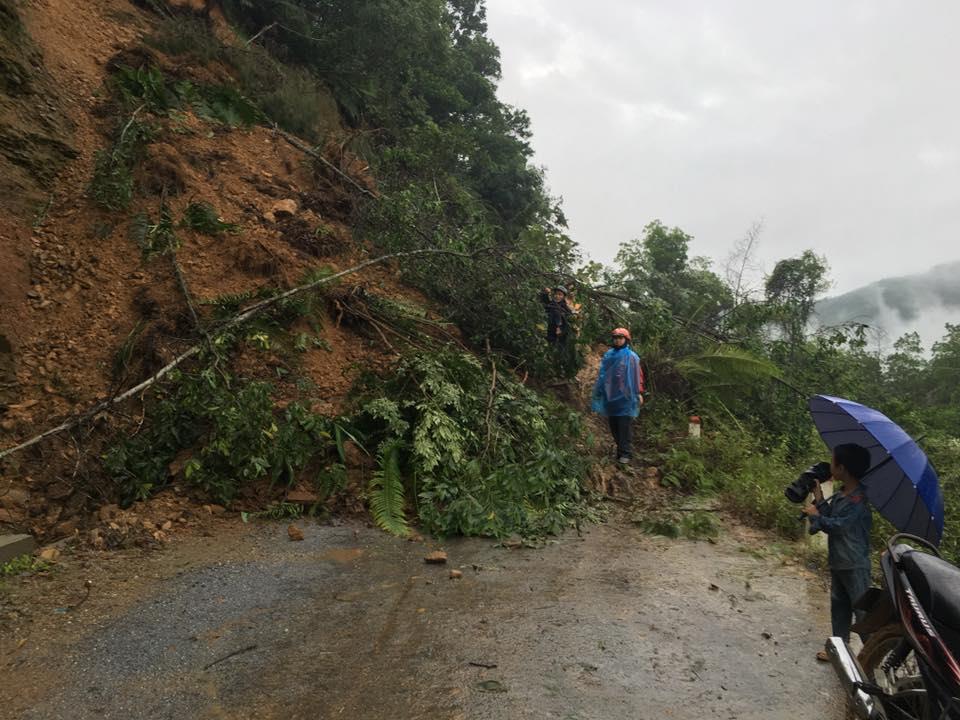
[(901, 483)]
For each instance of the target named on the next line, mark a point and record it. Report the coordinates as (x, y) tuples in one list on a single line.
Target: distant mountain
[(921, 303)]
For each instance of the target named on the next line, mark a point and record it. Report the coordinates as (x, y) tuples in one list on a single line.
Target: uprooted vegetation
[(428, 434), (203, 205)]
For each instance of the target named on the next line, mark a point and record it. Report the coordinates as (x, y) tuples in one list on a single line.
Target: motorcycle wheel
[(903, 684)]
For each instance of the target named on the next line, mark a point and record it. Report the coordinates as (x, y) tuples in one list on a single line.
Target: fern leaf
[(386, 493)]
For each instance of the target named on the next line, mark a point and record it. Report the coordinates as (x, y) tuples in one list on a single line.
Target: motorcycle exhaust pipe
[(847, 668)]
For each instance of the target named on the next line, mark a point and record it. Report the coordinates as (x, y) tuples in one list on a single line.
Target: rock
[(96, 539), (652, 473), (217, 509), (302, 497), (167, 525), (108, 513), (455, 574), (14, 499), (59, 490), (6, 517), (436, 558), (49, 554), (295, 533), (283, 209), (64, 529)]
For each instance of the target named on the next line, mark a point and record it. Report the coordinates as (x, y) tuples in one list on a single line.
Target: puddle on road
[(342, 555)]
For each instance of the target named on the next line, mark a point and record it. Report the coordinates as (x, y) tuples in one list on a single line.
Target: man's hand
[(640, 399), (817, 492), (811, 510)]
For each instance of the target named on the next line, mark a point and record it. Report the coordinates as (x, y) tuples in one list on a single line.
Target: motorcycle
[(908, 668)]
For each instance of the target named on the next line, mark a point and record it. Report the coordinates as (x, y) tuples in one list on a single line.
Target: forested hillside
[(921, 303), (316, 235)]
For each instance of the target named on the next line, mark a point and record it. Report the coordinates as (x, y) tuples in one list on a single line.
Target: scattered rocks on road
[(455, 574), (294, 533), (49, 554), (438, 557)]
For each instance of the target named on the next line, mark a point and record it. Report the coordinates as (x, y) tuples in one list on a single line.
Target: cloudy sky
[(834, 122)]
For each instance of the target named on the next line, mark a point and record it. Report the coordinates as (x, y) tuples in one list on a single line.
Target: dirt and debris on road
[(351, 623)]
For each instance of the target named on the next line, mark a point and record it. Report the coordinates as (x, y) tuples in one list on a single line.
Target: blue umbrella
[(901, 483)]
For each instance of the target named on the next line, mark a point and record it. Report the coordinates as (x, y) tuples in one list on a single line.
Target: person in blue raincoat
[(846, 519), (618, 392)]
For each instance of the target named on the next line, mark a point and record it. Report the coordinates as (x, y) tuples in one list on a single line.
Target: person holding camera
[(846, 519)]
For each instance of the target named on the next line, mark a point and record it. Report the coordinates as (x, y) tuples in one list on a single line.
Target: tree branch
[(232, 322)]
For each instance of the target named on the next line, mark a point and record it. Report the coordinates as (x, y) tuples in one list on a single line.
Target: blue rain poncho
[(619, 383)]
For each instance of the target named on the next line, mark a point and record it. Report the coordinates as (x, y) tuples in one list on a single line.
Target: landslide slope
[(85, 313)]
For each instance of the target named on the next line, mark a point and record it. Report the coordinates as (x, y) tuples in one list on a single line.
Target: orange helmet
[(621, 331)]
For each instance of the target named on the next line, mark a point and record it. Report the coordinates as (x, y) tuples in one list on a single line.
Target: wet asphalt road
[(351, 623)]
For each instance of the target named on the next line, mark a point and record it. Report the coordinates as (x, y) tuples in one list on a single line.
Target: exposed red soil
[(76, 285)]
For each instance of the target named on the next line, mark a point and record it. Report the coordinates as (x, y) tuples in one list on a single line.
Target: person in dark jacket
[(846, 519), (618, 392), (558, 314)]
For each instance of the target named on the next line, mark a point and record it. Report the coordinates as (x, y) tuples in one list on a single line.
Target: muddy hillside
[(113, 152)]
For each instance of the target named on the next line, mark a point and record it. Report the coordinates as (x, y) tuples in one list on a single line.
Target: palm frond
[(726, 366), (386, 493)]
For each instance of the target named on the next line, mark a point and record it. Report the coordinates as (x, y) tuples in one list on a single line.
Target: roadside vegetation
[(461, 437)]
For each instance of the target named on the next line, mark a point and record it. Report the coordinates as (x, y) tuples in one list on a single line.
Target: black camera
[(798, 490)]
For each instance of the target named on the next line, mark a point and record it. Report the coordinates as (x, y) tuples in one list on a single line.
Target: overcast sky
[(835, 122)]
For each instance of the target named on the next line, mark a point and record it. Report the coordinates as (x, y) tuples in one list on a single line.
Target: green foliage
[(112, 183), (725, 367), (275, 511), (148, 88), (145, 87), (23, 564), (685, 471), (289, 94), (694, 525), (656, 268), (154, 238), (123, 357), (386, 492), (475, 462), (203, 218), (792, 290), (231, 431)]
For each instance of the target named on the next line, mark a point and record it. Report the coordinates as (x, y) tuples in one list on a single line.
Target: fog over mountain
[(921, 303)]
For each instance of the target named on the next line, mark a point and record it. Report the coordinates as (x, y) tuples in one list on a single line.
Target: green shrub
[(203, 218), (695, 525), (112, 184), (473, 457), (231, 430), (289, 95), (154, 238), (23, 564)]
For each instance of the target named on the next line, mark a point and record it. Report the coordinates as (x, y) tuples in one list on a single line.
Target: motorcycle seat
[(937, 584)]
